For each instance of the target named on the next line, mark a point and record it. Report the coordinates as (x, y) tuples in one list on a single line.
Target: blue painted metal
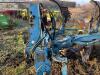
[(42, 64), (64, 61), (88, 39), (35, 31), (68, 41), (64, 43), (64, 69), (59, 58)]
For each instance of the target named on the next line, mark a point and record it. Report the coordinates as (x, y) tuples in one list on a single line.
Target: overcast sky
[(81, 1), (77, 1)]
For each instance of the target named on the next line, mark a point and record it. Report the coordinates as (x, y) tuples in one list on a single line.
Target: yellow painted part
[(24, 13), (20, 39), (48, 17), (88, 17), (20, 42)]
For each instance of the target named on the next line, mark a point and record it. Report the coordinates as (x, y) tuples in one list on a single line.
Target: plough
[(47, 45)]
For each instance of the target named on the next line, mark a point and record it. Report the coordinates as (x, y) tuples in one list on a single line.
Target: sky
[(77, 1), (81, 1)]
